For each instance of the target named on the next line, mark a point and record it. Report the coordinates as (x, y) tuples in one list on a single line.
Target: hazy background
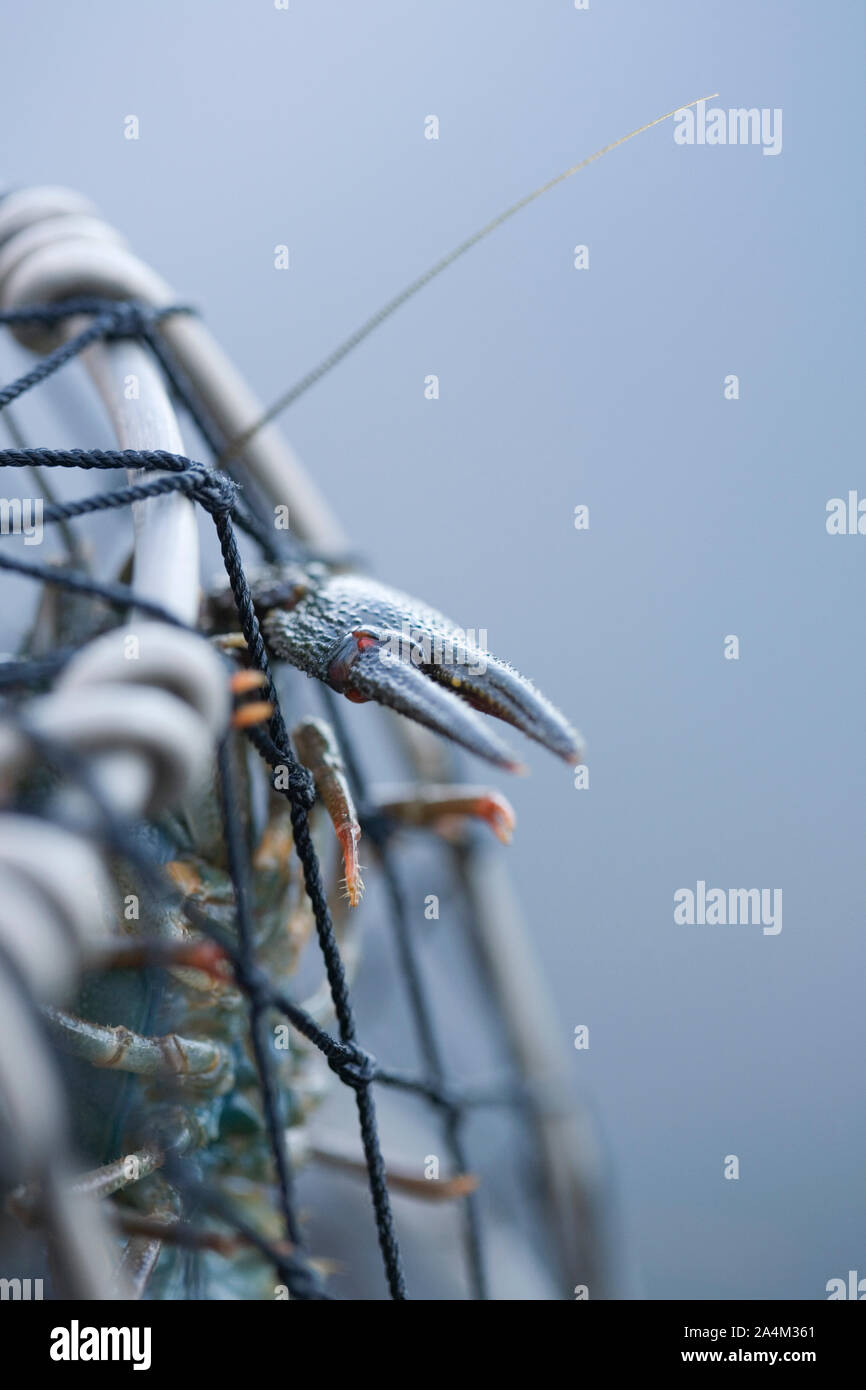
[(559, 387)]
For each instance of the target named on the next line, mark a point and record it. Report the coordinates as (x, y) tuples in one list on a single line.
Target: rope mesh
[(219, 495)]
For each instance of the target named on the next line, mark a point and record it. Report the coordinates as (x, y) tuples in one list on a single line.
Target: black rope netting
[(219, 494)]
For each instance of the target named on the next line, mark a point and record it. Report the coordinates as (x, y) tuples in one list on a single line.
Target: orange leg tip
[(243, 681), (499, 815), (348, 837), (257, 712)]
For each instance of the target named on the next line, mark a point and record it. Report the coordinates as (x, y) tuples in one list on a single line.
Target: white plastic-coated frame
[(166, 563), (148, 728), (88, 258)]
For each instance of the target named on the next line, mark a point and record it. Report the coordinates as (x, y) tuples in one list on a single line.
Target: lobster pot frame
[(171, 859)]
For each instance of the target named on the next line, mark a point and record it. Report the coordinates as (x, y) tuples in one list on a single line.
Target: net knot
[(128, 320), (217, 493), (354, 1066), (294, 779)]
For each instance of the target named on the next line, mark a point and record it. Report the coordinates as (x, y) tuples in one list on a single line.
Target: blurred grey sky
[(558, 387)]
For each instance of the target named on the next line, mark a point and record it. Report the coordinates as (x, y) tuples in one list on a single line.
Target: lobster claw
[(366, 666), (370, 642)]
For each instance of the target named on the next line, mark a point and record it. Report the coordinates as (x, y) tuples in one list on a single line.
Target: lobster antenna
[(289, 397)]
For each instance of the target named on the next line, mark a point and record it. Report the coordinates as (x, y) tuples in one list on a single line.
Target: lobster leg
[(424, 805), (122, 1173), (142, 1250), (101, 1182), (196, 1062), (400, 1178), (318, 750), (137, 1264)]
